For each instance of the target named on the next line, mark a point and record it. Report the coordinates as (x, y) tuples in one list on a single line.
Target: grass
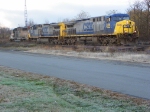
[(27, 92)]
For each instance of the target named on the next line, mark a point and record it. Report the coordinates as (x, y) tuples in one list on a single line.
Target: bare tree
[(82, 15), (4, 32), (140, 13), (111, 12), (46, 21), (31, 22), (136, 14), (147, 4), (66, 20)]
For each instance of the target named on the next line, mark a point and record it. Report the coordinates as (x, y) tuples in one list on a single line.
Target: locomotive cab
[(126, 31), (125, 27), (110, 22)]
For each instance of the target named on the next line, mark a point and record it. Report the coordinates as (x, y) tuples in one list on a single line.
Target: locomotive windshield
[(126, 18), (120, 18)]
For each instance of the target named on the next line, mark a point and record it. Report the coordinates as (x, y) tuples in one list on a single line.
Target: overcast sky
[(12, 11)]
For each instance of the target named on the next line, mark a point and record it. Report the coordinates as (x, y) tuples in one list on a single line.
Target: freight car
[(19, 34)]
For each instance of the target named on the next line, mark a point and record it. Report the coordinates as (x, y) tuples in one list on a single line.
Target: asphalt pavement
[(123, 77)]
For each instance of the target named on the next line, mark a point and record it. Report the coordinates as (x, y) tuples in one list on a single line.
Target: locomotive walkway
[(123, 77)]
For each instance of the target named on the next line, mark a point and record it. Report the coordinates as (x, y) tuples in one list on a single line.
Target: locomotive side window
[(94, 20), (107, 20), (125, 18), (110, 18), (120, 18), (69, 26), (100, 19), (97, 19), (104, 18), (24, 29)]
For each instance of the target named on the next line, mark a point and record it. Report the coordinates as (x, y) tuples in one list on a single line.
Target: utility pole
[(25, 15)]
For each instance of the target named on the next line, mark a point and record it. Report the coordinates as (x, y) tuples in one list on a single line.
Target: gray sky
[(12, 11)]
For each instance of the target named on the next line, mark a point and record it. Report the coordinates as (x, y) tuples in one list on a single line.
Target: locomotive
[(115, 29), (20, 33)]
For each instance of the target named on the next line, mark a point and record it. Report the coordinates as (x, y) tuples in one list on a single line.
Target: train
[(115, 29)]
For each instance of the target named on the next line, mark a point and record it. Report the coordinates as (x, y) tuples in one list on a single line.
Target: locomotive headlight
[(127, 22), (134, 31)]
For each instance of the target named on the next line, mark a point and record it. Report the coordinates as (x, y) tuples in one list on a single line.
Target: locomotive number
[(119, 24), (108, 25)]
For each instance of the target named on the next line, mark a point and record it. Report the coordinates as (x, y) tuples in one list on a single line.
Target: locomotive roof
[(20, 28), (75, 21), (113, 15), (119, 15), (83, 19), (36, 25)]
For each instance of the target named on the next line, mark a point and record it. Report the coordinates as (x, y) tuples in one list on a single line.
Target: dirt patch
[(23, 91)]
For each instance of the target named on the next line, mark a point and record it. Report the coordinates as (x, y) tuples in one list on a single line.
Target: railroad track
[(94, 48), (108, 48)]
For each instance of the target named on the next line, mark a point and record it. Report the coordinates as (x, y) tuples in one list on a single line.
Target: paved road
[(123, 77)]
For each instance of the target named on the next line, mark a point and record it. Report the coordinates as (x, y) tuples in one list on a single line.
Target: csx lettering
[(88, 26), (45, 30)]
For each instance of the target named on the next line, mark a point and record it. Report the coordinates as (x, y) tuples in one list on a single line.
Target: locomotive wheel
[(123, 41)]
